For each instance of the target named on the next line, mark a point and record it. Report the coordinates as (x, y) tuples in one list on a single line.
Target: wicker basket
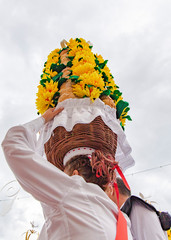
[(95, 135)]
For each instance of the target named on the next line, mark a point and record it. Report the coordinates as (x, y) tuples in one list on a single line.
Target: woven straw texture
[(95, 135)]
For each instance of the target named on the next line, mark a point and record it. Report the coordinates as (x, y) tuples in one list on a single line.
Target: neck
[(122, 200)]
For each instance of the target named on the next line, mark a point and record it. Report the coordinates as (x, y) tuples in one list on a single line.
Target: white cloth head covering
[(85, 111)]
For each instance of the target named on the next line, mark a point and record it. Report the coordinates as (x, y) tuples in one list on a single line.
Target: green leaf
[(70, 57), (127, 117), (80, 59), (96, 61), (57, 68), (88, 85), (127, 109), (74, 78), (102, 65), (98, 69), (90, 47), (61, 81), (104, 76), (117, 92), (122, 126), (109, 87), (77, 80), (45, 64), (43, 82), (78, 40), (111, 76), (56, 78), (106, 92), (69, 64), (120, 107), (79, 45), (60, 51)]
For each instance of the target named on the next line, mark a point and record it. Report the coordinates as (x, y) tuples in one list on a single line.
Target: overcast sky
[(135, 36)]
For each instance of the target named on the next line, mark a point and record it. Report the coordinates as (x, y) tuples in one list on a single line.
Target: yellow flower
[(45, 96), (76, 46), (169, 234), (80, 91), (93, 78), (94, 93), (83, 57), (81, 69), (45, 76), (100, 58), (122, 120), (53, 54)]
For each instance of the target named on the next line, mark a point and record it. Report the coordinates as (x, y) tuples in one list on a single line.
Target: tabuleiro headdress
[(94, 112)]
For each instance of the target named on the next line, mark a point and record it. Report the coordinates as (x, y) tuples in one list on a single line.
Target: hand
[(51, 113)]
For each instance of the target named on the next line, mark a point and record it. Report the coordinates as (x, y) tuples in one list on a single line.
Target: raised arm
[(40, 178)]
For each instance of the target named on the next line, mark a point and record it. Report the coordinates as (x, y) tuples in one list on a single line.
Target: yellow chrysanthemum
[(94, 93), (93, 78), (81, 69), (45, 76), (76, 46), (45, 96), (100, 58), (80, 91), (83, 57), (53, 54), (50, 73)]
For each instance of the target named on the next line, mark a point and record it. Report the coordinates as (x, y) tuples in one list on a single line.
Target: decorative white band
[(77, 151)]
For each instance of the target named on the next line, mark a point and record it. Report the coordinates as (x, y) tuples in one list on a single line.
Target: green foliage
[(70, 57), (57, 67), (80, 59), (69, 64), (43, 82), (97, 68), (61, 81), (74, 78), (79, 45), (105, 77), (102, 65), (116, 95), (57, 77), (78, 40), (120, 107), (106, 92)]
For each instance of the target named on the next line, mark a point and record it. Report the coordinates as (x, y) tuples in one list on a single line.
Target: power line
[(149, 169)]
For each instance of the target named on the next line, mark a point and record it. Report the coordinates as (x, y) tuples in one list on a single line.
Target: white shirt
[(145, 224), (73, 209)]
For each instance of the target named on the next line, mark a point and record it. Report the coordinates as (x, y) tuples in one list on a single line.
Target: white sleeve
[(145, 224), (42, 179)]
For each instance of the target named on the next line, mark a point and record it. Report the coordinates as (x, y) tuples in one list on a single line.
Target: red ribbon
[(122, 176), (121, 230)]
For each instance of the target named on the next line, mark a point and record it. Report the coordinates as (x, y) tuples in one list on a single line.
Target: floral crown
[(87, 73)]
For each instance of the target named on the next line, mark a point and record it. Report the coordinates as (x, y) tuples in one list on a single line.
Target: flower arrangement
[(88, 74)]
